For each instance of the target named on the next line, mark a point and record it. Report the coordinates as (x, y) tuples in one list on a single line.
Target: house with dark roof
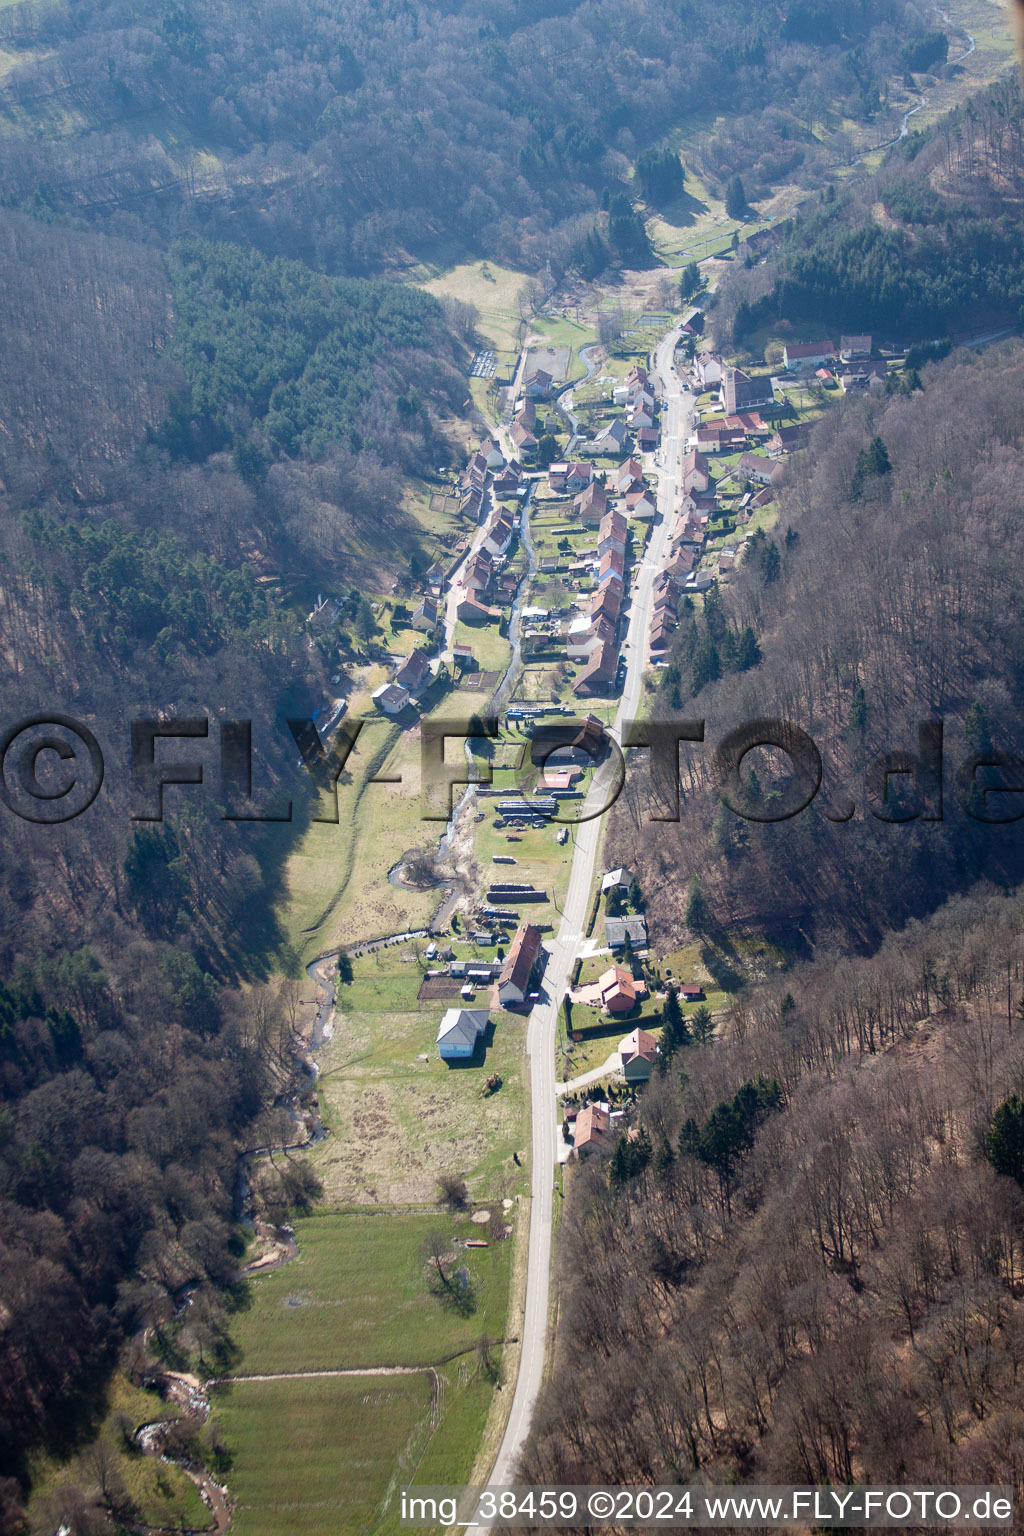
[(629, 477), (741, 392), (391, 698), (581, 742), (853, 348), (523, 440), (618, 929), (787, 440)]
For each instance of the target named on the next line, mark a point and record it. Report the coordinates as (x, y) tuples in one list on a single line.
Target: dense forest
[(348, 138), (927, 247), (174, 428), (924, 624)]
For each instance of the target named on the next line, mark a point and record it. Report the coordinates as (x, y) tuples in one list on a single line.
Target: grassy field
[(399, 1115), (325, 1455), (377, 824), (493, 289), (357, 1296), (321, 1457)]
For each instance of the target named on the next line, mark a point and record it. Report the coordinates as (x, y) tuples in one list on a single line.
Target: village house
[(754, 466), (578, 743), (751, 423), (478, 577), (787, 440), (591, 506), (425, 616), (459, 1031), (638, 417), (577, 477), (592, 1127), (473, 505), (663, 627), (862, 375), (391, 698), (520, 964), (492, 455), (586, 635), (523, 441), (708, 370), (696, 472), (640, 504), (612, 533), (612, 568), (805, 357), (853, 348), (599, 673), (637, 377), (498, 537), (470, 611), (414, 672), (475, 472), (615, 880), (741, 393), (607, 603), (647, 439), (691, 992), (618, 929), (638, 1052), (537, 385), (718, 439), (507, 484), (629, 477), (611, 443), (618, 991)]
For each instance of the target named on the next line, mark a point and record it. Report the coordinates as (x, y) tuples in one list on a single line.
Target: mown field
[(357, 1295), (322, 1457), (326, 1454)]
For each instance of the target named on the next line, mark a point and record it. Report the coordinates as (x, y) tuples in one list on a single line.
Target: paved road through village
[(677, 415)]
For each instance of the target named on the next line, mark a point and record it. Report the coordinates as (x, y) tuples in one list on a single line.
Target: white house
[(391, 698), (459, 1031)]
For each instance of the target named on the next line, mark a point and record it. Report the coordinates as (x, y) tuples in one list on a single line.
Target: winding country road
[(677, 415)]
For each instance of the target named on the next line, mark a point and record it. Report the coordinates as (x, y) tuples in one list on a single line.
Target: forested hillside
[(888, 595), (928, 247), (349, 137), (802, 1266), (171, 426)]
